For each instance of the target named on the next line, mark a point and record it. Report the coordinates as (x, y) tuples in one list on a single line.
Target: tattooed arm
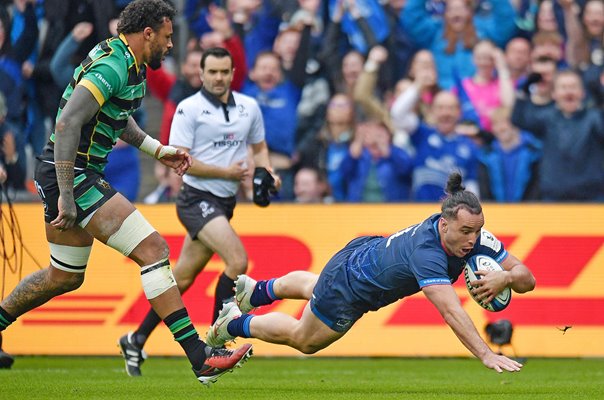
[(133, 134), (172, 157), (80, 108)]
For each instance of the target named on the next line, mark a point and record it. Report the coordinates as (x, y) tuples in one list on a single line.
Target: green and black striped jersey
[(112, 75)]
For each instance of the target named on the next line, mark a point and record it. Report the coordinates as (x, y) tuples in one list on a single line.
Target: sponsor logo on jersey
[(94, 50), (228, 140), (104, 81), (487, 239)]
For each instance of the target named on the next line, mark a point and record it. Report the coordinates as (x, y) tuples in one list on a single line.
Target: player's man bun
[(458, 197), (454, 183), (140, 14)]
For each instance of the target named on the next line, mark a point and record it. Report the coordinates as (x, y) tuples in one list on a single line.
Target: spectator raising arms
[(573, 142), (451, 40), (414, 96), (490, 87)]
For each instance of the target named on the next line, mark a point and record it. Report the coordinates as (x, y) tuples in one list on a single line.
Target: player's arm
[(235, 172), (519, 278), (170, 156), (261, 159), (516, 276), (446, 301), (80, 108)]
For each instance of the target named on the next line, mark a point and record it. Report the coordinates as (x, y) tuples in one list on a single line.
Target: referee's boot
[(133, 355), (218, 333)]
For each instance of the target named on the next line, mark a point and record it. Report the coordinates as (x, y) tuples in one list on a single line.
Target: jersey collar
[(215, 100), (125, 41)]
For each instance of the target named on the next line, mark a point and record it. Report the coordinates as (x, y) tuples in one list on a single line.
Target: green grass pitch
[(303, 378)]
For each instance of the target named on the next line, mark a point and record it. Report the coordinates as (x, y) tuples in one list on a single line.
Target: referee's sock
[(225, 290), (141, 335), (185, 334), (5, 319), (263, 293)]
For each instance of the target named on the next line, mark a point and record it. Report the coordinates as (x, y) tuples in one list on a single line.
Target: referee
[(215, 125)]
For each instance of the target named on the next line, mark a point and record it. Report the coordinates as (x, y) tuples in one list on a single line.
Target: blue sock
[(240, 326), (263, 293)]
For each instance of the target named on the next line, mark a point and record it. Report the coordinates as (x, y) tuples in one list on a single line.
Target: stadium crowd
[(362, 100)]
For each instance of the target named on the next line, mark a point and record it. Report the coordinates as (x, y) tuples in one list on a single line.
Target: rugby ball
[(486, 263)]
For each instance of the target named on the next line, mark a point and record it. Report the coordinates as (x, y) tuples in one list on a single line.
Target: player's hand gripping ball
[(486, 263)]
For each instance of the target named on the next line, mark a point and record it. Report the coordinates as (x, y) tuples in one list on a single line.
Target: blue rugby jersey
[(383, 270)]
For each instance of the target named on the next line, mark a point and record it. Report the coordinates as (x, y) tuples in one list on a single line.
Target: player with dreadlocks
[(80, 206)]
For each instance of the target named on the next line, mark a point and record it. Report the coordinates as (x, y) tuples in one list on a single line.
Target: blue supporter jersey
[(438, 155), (383, 270), (279, 110)]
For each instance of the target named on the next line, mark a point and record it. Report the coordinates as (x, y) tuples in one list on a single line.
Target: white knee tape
[(134, 230), (69, 258), (157, 278)]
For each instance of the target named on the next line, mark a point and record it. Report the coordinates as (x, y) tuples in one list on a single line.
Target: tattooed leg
[(39, 287)]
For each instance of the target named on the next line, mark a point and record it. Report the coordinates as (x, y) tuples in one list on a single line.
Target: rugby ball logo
[(486, 263)]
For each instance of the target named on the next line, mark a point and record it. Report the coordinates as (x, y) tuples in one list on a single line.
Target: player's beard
[(155, 61)]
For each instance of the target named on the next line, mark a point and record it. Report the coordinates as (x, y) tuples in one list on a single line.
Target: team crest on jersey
[(103, 183), (242, 110)]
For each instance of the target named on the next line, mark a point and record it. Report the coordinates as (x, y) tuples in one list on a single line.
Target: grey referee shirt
[(216, 134)]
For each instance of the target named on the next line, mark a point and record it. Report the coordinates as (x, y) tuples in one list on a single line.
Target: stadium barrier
[(562, 244)]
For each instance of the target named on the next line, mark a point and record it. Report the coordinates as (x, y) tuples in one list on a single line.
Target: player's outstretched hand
[(175, 158), (67, 214), (500, 363)]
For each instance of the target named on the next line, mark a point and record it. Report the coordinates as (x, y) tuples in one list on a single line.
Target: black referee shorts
[(195, 208)]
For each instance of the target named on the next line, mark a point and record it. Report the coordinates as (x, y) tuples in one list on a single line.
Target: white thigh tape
[(69, 258), (157, 278), (134, 230)]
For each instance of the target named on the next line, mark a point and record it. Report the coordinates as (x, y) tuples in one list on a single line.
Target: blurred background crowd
[(363, 100)]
